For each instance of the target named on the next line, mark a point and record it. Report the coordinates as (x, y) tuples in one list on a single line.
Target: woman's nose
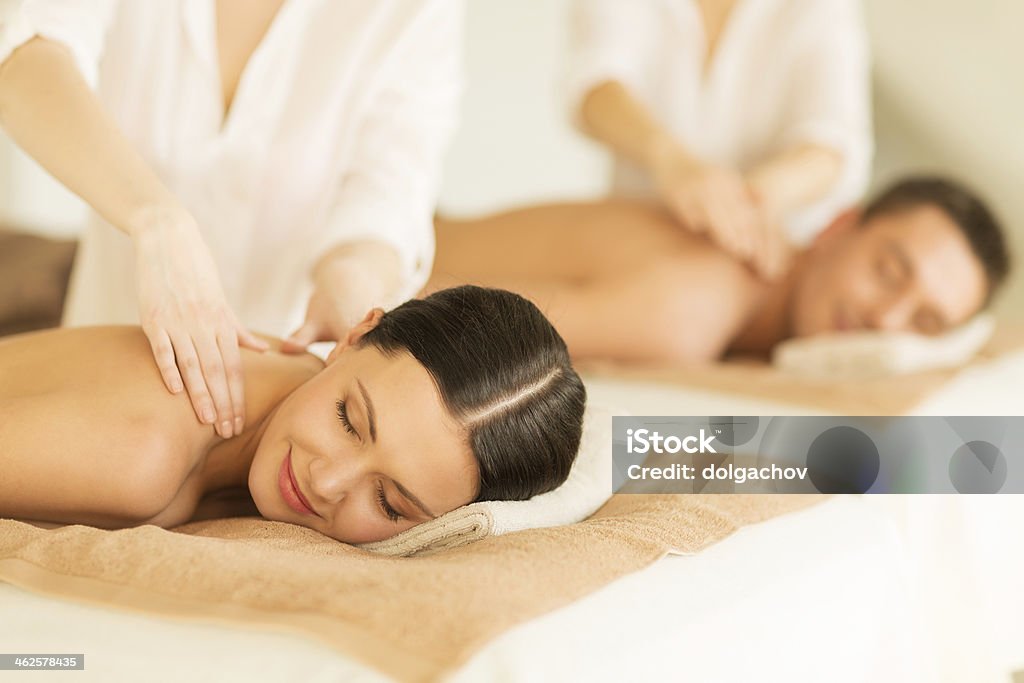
[(334, 476)]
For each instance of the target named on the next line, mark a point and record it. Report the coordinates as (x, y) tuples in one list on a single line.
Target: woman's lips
[(290, 488)]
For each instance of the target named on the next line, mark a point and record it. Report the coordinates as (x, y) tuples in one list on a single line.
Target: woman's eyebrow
[(415, 501), (371, 416)]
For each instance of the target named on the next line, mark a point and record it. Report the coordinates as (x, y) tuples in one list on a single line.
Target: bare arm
[(49, 110), (704, 197), (348, 280), (614, 116), (795, 177)]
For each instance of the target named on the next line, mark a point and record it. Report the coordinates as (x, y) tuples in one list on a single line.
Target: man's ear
[(369, 322), (840, 225)]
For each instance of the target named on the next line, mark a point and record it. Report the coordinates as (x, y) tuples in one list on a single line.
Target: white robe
[(784, 72), (335, 134)]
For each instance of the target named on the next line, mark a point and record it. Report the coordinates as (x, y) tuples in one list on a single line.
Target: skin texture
[(620, 281), (141, 457)]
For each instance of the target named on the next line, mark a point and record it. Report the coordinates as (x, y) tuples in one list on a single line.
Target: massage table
[(711, 616), (825, 593)]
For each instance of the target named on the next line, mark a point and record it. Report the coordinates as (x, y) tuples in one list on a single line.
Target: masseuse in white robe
[(270, 164), (750, 119)]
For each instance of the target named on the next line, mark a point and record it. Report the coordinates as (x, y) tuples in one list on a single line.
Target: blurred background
[(946, 99)]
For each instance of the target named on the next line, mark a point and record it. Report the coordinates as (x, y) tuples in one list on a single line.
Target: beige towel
[(412, 618)]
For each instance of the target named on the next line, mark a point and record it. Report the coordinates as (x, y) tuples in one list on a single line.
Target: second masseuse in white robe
[(710, 92), (331, 145)]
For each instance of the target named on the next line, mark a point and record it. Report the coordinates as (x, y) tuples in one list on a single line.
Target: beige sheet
[(894, 395), (413, 618)]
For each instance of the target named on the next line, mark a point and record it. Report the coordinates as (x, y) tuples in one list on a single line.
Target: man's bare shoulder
[(700, 268), (703, 296)]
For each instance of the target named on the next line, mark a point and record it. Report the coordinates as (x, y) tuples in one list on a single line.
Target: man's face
[(910, 270)]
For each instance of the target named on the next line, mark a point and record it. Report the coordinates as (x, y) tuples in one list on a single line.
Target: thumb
[(301, 338), (247, 338), (251, 341)]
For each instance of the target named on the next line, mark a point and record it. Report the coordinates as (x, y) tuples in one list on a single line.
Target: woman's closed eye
[(343, 416), (385, 507)]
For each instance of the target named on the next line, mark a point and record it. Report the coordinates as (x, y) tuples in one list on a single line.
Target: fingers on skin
[(250, 341), (693, 216), (776, 256), (214, 371), (723, 227), (163, 353), (188, 364), (300, 339), (227, 340)]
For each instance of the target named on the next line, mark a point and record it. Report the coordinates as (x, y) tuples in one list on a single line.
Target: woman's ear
[(369, 322)]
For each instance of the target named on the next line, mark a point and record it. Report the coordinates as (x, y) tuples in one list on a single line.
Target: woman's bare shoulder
[(93, 435), (92, 431)]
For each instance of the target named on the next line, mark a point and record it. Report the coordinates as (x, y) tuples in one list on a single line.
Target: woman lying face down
[(463, 396)]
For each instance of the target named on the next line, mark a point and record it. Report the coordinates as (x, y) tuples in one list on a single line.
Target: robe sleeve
[(79, 25), (830, 102), (389, 187), (609, 40)]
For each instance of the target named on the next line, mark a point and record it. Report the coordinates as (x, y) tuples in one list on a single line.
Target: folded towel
[(870, 353), (588, 486), (414, 619)]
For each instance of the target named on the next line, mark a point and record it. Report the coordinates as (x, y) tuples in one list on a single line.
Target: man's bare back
[(618, 278)]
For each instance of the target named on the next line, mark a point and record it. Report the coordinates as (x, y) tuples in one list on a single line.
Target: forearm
[(51, 113), (615, 117), (368, 271), (795, 177)]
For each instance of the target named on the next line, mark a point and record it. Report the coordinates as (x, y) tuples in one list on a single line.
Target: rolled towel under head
[(587, 488), (872, 354)]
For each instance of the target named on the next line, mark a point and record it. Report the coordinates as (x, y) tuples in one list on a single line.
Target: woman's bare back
[(89, 434)]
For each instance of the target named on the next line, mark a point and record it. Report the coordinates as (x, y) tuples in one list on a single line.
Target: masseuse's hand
[(329, 317), (773, 252), (193, 334), (719, 202), (347, 282), (712, 200)]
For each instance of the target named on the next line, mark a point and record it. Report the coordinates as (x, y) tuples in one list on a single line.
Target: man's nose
[(334, 476), (894, 314)]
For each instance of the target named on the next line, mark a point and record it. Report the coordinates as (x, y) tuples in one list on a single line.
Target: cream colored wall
[(949, 96), (515, 144)]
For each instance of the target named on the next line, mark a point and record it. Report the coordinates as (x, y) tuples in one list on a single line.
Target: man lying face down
[(620, 280)]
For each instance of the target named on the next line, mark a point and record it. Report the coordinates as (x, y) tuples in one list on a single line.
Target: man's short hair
[(964, 208)]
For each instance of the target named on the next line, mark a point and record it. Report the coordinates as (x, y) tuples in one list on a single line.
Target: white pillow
[(863, 354)]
